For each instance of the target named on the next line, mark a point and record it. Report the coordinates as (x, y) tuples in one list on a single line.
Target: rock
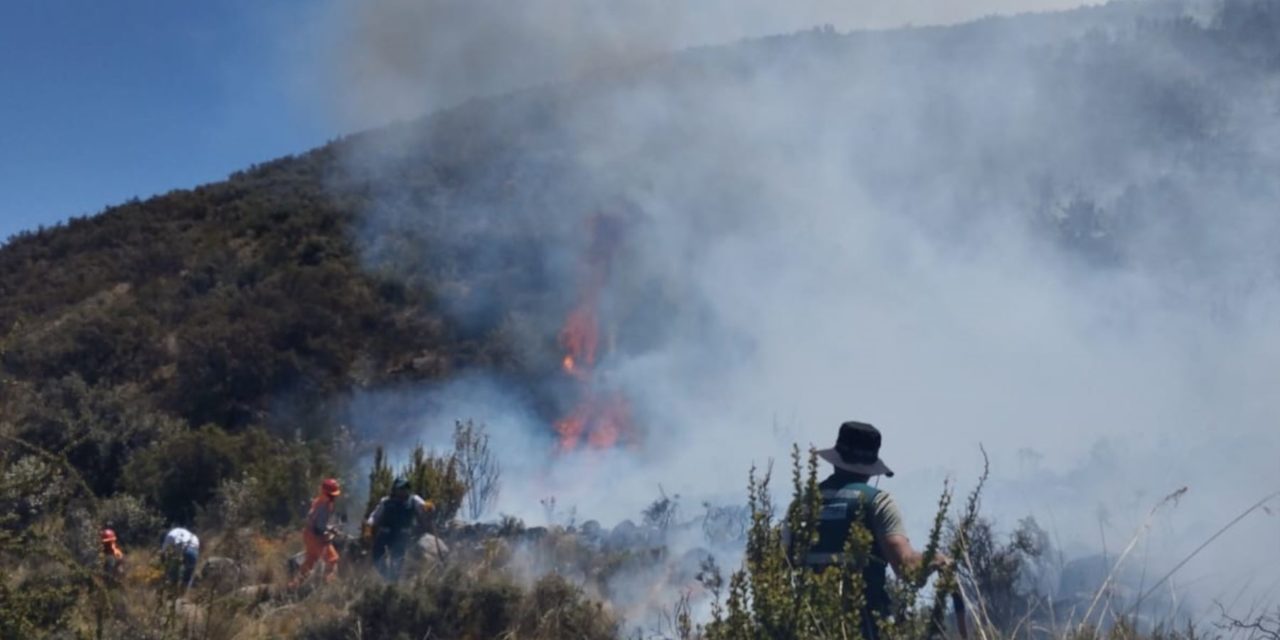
[(431, 548), (221, 574), (191, 614), (624, 535), (255, 592)]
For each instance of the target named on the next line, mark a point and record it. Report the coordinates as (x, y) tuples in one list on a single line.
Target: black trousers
[(389, 549)]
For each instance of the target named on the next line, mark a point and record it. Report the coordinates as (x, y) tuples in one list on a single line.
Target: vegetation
[(776, 596), (454, 604), (437, 477)]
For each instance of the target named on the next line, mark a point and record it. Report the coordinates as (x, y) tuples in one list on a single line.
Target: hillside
[(158, 353)]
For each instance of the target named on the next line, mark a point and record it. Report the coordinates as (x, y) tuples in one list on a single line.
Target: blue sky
[(104, 101)]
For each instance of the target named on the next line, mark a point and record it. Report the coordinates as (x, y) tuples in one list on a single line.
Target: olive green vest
[(844, 503)]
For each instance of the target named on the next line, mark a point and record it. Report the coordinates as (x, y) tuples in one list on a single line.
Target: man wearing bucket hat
[(394, 524), (848, 497)]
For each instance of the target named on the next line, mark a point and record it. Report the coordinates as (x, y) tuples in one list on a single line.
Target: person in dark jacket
[(394, 524), (848, 497)]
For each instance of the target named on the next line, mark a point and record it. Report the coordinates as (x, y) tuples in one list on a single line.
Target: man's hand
[(428, 505), (903, 557), (941, 561)]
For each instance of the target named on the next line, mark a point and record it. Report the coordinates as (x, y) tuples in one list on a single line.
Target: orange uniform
[(112, 559), (315, 535), (112, 556)]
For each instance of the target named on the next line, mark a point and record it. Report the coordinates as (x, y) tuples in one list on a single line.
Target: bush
[(97, 430), (436, 478), (36, 607), (775, 597), (456, 604), (30, 487), (184, 472), (1002, 575), (133, 521)]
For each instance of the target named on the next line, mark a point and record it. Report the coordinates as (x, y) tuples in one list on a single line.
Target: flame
[(581, 335), (601, 417), (600, 421)]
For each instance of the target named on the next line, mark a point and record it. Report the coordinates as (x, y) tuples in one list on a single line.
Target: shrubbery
[(133, 521), (184, 472), (97, 430), (36, 606), (458, 604), (467, 475), (776, 596)]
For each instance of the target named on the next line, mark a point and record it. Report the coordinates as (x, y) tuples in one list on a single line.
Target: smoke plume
[(1053, 236)]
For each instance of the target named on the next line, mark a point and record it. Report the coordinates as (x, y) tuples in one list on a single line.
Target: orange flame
[(600, 419), (579, 338)]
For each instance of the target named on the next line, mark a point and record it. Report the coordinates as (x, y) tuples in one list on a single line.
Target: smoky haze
[(398, 59), (1054, 236)]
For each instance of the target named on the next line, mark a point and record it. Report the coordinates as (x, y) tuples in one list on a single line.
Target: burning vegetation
[(599, 416)]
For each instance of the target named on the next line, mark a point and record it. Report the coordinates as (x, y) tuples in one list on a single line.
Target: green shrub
[(436, 478), (96, 429), (774, 596), (37, 607), (286, 475), (185, 471), (30, 487), (182, 473), (457, 604), (133, 521)]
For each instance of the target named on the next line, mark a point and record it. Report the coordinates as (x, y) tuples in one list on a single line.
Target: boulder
[(591, 530), (624, 536), (431, 548), (221, 574)]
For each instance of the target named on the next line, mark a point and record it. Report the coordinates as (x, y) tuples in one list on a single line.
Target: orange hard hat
[(108, 536), (330, 488)]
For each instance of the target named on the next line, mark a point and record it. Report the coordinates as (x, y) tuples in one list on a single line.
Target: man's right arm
[(895, 546), (899, 553)]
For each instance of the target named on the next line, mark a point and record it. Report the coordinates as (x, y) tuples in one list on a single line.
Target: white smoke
[(855, 229), (385, 60)]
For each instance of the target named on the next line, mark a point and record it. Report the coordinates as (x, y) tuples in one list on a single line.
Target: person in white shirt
[(179, 552)]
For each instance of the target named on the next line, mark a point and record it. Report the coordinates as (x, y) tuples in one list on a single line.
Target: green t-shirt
[(886, 518)]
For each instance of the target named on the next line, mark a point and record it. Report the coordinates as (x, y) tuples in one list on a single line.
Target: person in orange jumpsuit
[(317, 536), (112, 557)]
